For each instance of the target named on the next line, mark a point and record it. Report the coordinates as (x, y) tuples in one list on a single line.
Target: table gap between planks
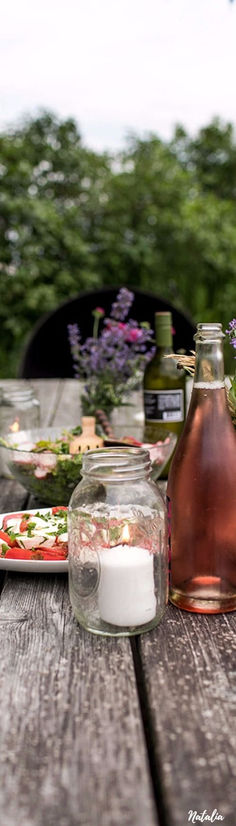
[(102, 732)]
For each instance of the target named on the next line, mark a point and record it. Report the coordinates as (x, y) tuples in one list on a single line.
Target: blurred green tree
[(166, 230), (156, 216), (211, 155), (47, 180)]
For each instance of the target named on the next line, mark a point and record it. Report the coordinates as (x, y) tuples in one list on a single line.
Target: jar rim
[(16, 393), (116, 463)]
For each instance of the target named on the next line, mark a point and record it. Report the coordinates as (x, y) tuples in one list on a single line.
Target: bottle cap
[(165, 318)]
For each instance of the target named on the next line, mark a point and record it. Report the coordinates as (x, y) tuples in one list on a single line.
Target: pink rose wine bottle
[(202, 490)]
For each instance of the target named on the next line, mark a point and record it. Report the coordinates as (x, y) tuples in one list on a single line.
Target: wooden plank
[(188, 665), (68, 412), (48, 392), (72, 745), (13, 497), (59, 401)]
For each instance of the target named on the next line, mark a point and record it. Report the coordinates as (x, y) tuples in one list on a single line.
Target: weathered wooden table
[(104, 732)]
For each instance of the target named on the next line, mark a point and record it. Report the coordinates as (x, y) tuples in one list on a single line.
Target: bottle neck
[(164, 339), (209, 366)]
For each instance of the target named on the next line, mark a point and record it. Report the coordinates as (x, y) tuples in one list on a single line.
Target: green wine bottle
[(164, 387)]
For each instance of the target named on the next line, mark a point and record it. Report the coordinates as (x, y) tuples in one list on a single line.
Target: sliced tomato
[(54, 549), (59, 508), (24, 524), (18, 553), (7, 539), (49, 558), (40, 554), (12, 516), (53, 552)]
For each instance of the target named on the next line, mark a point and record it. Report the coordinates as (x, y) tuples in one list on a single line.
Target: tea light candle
[(126, 594)]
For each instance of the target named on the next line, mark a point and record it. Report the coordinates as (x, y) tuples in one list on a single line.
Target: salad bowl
[(41, 461)]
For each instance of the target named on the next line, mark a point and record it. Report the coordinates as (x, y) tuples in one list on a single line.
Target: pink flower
[(133, 335), (99, 311)]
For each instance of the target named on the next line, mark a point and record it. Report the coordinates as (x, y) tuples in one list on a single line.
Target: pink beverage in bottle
[(202, 490)]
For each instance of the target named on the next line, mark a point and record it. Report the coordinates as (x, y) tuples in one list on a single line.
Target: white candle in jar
[(126, 593)]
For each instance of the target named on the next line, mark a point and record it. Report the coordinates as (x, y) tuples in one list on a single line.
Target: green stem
[(96, 326)]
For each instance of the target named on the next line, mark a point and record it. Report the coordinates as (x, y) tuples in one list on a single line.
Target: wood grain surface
[(188, 666), (102, 732), (72, 743)]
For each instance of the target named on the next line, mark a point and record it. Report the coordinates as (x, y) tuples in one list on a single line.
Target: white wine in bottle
[(164, 387)]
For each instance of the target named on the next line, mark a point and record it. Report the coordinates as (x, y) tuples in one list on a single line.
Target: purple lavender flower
[(231, 332), (121, 306), (74, 340), (232, 326), (107, 360), (73, 334)]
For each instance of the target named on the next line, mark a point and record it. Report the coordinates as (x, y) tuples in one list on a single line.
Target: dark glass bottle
[(202, 490), (164, 387)]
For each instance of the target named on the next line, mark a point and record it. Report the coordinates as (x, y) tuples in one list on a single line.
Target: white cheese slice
[(63, 537), (14, 525), (29, 542)]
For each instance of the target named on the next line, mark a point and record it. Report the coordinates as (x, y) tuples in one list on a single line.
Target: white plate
[(39, 566)]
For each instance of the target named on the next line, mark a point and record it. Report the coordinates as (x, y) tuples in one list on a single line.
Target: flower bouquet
[(110, 361)]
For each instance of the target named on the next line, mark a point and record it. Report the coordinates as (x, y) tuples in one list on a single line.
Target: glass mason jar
[(19, 409), (117, 544)]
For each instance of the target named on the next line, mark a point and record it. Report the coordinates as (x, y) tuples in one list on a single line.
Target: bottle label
[(164, 405)]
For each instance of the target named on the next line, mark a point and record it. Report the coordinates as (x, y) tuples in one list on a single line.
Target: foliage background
[(159, 216)]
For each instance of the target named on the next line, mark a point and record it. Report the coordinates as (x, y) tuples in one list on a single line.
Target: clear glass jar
[(117, 544), (19, 409)]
